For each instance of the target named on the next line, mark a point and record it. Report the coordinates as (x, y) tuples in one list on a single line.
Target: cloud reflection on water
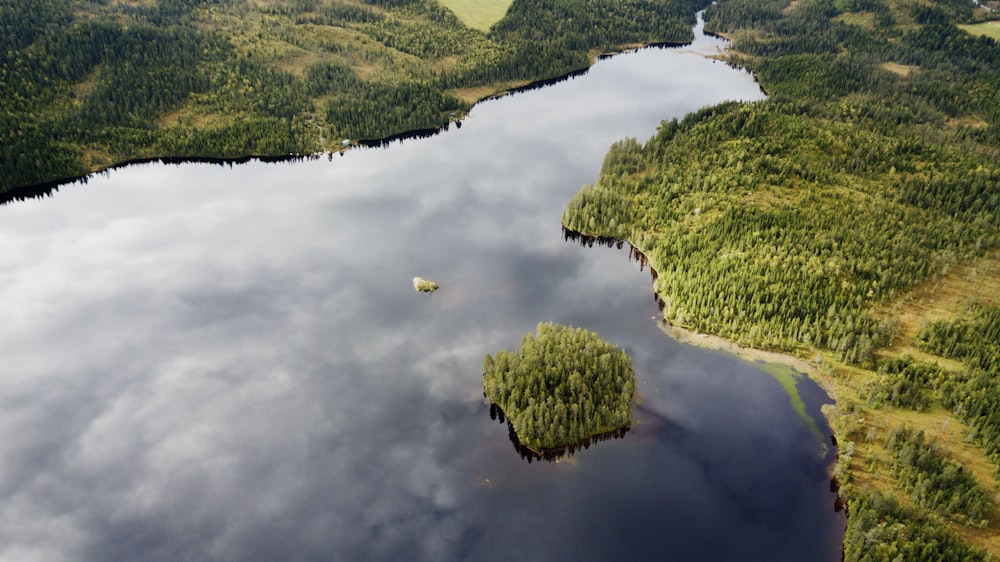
[(206, 362)]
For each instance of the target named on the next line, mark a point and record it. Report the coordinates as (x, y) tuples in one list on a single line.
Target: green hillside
[(90, 83)]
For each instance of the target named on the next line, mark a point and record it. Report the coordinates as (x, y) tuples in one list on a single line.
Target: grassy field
[(478, 14), (988, 28)]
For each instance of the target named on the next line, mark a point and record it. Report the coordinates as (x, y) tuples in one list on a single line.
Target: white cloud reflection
[(212, 362)]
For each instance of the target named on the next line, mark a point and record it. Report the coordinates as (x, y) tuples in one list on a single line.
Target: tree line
[(974, 395), (880, 529), (89, 84), (936, 481), (769, 222)]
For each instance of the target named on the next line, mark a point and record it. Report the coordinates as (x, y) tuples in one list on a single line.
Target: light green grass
[(478, 14), (988, 28), (788, 378)]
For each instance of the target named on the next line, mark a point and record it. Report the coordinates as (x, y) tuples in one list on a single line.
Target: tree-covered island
[(564, 386)]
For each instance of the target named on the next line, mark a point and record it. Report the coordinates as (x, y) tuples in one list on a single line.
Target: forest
[(563, 386), (821, 221), (974, 338), (807, 223), (881, 529), (87, 84)]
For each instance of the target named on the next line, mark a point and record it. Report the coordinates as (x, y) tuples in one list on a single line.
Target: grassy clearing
[(942, 297), (478, 14), (791, 6), (899, 69), (865, 427), (863, 20), (863, 430), (988, 28)]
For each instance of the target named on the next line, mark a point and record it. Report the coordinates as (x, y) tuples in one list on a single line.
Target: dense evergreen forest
[(807, 222), (85, 84), (783, 222), (563, 386)]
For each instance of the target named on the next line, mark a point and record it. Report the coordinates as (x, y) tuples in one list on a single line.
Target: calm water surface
[(208, 362)]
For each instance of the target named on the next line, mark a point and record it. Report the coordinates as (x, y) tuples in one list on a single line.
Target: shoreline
[(48, 188), (751, 354), (707, 341)]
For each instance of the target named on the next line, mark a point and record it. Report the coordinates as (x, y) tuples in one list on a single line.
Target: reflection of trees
[(48, 189), (611, 242), (550, 455)]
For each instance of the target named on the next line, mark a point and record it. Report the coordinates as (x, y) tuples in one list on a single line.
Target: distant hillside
[(478, 14), (90, 83)]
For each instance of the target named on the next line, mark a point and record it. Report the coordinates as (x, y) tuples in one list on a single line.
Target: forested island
[(563, 387), (852, 219), (87, 84)]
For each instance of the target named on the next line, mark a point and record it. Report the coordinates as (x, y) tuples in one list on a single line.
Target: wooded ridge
[(86, 84)]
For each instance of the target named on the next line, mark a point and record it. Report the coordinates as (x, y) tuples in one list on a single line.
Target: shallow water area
[(231, 362)]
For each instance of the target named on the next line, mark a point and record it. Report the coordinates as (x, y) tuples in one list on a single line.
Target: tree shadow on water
[(555, 454)]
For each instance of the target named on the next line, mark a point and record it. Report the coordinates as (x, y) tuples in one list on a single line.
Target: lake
[(231, 363)]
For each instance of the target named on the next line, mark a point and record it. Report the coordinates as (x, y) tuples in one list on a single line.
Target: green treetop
[(564, 386)]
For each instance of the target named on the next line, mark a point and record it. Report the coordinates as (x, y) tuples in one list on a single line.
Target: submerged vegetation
[(826, 222), (87, 84), (562, 387)]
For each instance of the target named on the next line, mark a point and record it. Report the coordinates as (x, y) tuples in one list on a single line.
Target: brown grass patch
[(971, 121), (899, 69), (185, 116), (864, 20), (83, 89), (943, 297), (297, 64), (871, 464), (472, 95)]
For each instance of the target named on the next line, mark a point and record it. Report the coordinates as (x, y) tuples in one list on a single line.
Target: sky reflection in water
[(205, 362)]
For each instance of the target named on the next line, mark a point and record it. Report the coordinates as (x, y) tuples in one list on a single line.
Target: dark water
[(205, 362)]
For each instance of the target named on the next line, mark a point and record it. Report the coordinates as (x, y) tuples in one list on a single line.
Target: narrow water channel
[(230, 362)]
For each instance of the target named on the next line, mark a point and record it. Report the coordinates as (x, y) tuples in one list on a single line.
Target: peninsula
[(851, 220)]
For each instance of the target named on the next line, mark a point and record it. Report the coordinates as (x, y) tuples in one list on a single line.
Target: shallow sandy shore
[(708, 341)]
